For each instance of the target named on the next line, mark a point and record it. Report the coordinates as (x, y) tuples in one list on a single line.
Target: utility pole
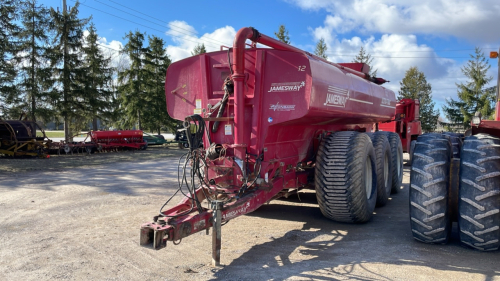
[(65, 79), (33, 101)]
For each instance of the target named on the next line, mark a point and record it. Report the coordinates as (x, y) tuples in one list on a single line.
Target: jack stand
[(216, 232)]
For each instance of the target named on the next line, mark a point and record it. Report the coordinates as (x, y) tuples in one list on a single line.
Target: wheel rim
[(386, 171), (368, 178)]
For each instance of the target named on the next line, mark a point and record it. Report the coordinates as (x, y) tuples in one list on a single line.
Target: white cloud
[(392, 54), (399, 23), (112, 50), (186, 39), (473, 20)]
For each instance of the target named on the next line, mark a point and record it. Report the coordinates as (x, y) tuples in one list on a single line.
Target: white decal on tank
[(282, 107), (386, 103), (240, 211), (336, 100), (287, 86), (336, 96), (361, 101)]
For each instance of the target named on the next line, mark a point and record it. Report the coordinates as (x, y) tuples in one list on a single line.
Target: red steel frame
[(285, 101), (405, 122), (489, 126)]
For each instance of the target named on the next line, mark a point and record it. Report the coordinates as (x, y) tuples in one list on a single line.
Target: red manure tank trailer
[(273, 121)]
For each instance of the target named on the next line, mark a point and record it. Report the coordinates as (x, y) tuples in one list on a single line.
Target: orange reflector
[(493, 55)]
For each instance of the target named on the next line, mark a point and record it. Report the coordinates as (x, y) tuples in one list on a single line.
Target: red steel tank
[(287, 99)]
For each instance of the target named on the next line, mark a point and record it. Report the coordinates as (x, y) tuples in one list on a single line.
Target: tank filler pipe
[(239, 75), (278, 45), (497, 106), (239, 80)]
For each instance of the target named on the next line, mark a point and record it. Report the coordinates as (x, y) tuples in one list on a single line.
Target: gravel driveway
[(78, 217)]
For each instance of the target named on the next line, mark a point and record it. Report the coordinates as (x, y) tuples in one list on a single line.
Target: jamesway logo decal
[(287, 86), (240, 211), (282, 107), (386, 102), (336, 97)]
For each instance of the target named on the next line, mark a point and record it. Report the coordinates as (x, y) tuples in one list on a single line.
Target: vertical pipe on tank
[(239, 80), (497, 111)]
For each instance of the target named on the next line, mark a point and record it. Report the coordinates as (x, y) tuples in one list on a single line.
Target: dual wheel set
[(441, 192), (356, 172)]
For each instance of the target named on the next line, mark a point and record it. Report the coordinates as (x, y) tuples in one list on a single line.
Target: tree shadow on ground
[(327, 250)]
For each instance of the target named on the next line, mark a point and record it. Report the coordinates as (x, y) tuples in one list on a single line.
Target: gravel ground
[(64, 162), (78, 217)]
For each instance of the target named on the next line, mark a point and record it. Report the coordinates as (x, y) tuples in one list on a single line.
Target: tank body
[(290, 98)]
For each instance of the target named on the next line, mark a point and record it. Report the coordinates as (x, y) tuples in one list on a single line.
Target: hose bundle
[(198, 168)]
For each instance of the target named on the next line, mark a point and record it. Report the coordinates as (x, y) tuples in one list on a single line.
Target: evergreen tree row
[(53, 71)]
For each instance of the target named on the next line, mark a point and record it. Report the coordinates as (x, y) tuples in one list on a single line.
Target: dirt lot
[(78, 217)]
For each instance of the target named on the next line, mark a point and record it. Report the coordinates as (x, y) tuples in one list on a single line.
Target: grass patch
[(57, 134), (53, 134)]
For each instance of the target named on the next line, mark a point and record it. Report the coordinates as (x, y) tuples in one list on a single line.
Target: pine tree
[(33, 57), (366, 58), (120, 64), (453, 112), (67, 63), (473, 96), (415, 86), (321, 49), (282, 34), (97, 92), (199, 49), (157, 63), (8, 30), (133, 80)]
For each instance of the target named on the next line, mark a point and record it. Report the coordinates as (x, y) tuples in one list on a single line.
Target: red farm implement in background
[(457, 179), (107, 140), (102, 141), (405, 123), (273, 121)]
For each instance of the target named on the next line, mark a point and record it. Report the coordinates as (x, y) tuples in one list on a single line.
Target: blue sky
[(437, 36)]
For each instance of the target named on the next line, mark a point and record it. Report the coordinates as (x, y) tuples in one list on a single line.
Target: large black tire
[(429, 186), (383, 170), (396, 160), (345, 177), (412, 148), (479, 193), (456, 143)]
